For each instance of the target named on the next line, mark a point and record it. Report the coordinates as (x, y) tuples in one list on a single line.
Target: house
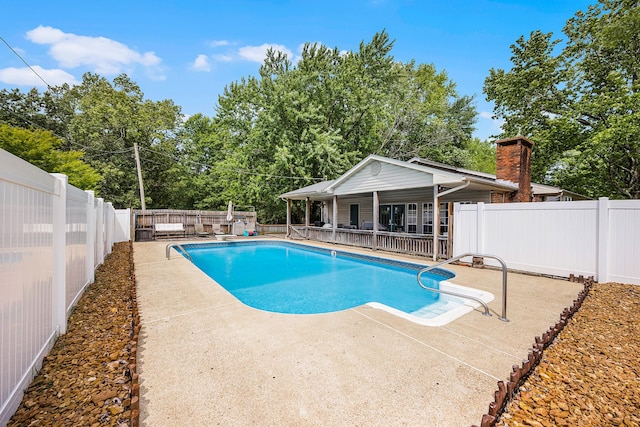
[(407, 206)]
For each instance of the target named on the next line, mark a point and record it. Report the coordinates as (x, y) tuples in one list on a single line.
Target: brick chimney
[(513, 164)]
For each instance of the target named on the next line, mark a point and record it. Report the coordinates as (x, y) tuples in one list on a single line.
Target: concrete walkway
[(206, 359)]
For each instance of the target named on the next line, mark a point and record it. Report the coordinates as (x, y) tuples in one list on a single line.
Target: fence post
[(111, 225), (602, 258), (91, 236), (58, 243), (100, 231), (480, 228)]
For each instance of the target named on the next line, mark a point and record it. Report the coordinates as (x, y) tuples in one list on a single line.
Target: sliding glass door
[(393, 217)]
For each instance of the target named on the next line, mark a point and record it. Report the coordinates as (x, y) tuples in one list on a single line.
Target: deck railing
[(409, 243)]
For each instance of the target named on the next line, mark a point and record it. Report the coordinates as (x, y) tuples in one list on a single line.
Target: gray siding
[(366, 208), (390, 177)]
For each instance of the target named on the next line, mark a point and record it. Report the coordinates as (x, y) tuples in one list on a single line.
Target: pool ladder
[(503, 317), (178, 247)]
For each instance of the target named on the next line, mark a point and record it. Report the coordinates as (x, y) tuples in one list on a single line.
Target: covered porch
[(370, 233), (390, 205)]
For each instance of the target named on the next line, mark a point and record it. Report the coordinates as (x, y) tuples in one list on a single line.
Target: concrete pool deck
[(206, 359)]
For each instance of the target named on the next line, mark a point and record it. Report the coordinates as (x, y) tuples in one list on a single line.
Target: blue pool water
[(288, 278)]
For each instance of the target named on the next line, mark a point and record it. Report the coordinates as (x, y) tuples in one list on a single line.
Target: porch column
[(376, 219), (288, 218), (307, 213), (436, 222), (334, 221)]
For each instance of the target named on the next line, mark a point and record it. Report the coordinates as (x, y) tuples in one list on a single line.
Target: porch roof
[(314, 191), (549, 190)]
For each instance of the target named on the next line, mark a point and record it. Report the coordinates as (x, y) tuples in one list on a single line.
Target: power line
[(240, 171), (90, 151), (26, 63)]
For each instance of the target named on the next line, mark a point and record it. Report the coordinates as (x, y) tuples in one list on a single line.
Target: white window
[(427, 218), (444, 219), (412, 217)]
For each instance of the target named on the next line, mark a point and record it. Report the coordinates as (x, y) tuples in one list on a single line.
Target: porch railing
[(409, 243)]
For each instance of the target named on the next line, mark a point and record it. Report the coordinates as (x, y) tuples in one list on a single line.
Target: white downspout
[(376, 219), (436, 222), (436, 213)]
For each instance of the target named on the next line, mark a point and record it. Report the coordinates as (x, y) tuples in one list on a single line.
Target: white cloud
[(496, 123), (201, 63), (102, 55), (259, 53), (26, 77), (222, 58), (218, 43)]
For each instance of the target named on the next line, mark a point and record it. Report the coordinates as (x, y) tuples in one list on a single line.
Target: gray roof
[(448, 176), (308, 191)]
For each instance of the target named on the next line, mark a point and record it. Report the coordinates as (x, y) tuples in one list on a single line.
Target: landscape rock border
[(506, 392), (589, 374)]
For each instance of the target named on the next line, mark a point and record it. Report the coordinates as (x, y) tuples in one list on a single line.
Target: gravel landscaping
[(589, 376), (85, 379)]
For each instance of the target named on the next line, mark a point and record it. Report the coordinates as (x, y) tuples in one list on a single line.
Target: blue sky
[(189, 51)]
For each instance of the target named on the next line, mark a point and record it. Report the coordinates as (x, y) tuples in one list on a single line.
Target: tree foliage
[(42, 149), (109, 119), (581, 103), (289, 126), (294, 125), (105, 120), (482, 156)]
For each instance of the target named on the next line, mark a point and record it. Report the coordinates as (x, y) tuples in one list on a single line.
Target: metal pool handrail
[(178, 248), (503, 317)]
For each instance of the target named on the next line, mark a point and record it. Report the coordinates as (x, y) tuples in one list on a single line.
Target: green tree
[(50, 110), (109, 119), (294, 125), (201, 148), (42, 149), (482, 155), (581, 104), (427, 119)]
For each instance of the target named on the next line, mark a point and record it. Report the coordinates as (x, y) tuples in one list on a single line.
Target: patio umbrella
[(230, 212)]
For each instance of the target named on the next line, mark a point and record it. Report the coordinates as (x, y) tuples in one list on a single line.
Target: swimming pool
[(290, 278)]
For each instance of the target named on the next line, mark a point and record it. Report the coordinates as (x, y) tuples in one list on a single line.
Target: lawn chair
[(200, 231), (220, 235)]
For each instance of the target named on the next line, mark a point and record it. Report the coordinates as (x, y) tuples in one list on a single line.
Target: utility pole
[(135, 148)]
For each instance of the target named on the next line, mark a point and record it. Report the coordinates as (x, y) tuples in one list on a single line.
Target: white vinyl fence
[(52, 236), (599, 238)]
